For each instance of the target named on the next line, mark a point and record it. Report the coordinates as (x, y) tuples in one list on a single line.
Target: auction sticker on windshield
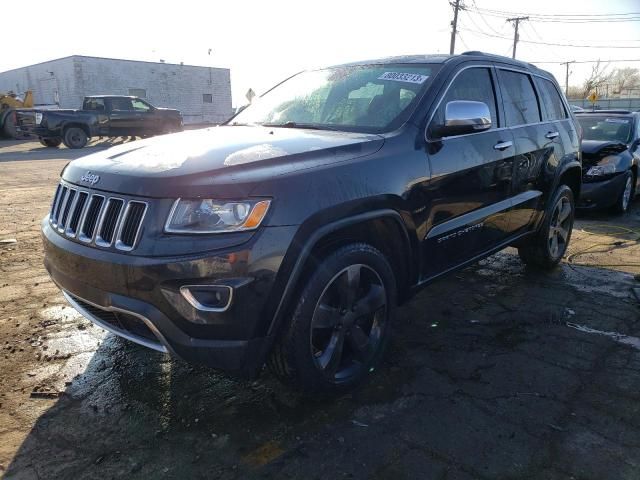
[(616, 120), (403, 77)]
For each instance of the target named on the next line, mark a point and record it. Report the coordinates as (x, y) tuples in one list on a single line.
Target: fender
[(566, 166), (564, 169), (308, 246)]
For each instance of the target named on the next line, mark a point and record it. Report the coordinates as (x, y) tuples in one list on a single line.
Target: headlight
[(601, 170), (215, 216), (38, 118)]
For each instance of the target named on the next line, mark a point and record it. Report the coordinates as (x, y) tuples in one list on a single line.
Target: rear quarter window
[(552, 105)]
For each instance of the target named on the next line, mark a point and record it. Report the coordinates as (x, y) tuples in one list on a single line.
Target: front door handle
[(502, 145), (552, 135)]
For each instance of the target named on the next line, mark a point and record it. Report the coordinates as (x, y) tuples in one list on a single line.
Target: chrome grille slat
[(131, 225), (56, 198), (97, 219), (77, 210), (61, 200), (68, 202), (109, 222), (94, 210)]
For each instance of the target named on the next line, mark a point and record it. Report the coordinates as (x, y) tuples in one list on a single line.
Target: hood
[(226, 161), (596, 152), (168, 110), (591, 147)]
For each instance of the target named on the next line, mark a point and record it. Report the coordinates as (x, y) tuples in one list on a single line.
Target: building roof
[(113, 59)]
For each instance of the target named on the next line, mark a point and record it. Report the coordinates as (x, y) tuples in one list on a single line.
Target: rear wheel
[(51, 142), (75, 137), (341, 322), (9, 126), (547, 247), (626, 195)]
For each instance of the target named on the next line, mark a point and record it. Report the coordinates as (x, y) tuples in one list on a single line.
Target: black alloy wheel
[(348, 322)]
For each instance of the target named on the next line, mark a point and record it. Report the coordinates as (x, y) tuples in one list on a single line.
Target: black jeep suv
[(290, 235)]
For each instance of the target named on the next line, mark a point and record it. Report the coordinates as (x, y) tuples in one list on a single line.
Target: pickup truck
[(101, 115)]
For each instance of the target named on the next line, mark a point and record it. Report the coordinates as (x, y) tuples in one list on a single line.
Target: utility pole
[(566, 77), (454, 25), (516, 21)]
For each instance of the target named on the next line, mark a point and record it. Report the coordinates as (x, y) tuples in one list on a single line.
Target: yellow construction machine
[(9, 102)]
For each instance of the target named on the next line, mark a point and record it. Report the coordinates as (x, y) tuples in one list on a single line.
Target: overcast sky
[(263, 42)]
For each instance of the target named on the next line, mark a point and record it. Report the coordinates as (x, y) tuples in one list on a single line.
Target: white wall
[(45, 79), (166, 85)]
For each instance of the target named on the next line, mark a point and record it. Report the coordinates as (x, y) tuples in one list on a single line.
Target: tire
[(75, 137), (9, 126), (51, 142), (541, 250), (341, 323), (626, 195), (169, 128)]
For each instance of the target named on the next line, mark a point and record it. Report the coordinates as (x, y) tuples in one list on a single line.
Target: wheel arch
[(382, 229), (80, 125), (571, 176)]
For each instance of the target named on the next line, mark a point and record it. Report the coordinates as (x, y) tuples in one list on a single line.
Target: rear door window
[(96, 104), (552, 106), (519, 98), (121, 104), (473, 84)]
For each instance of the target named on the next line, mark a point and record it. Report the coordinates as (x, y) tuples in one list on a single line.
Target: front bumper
[(601, 194), (138, 297)]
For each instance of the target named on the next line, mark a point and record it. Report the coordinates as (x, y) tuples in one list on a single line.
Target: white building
[(202, 94)]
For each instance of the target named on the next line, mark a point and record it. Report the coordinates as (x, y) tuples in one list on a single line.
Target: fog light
[(208, 298)]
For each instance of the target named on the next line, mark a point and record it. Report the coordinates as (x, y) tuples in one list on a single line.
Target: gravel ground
[(496, 372)]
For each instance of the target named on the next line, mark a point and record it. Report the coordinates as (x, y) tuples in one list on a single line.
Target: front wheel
[(340, 324), (547, 247), (53, 142), (626, 195), (75, 137)]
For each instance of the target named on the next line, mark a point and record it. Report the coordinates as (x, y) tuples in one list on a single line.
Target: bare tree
[(575, 93), (598, 78), (625, 79)]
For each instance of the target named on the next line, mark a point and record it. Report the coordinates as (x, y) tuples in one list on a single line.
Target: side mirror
[(465, 116)]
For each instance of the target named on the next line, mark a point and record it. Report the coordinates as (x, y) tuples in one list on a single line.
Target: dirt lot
[(496, 372)]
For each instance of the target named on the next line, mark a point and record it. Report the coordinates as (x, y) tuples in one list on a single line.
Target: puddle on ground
[(617, 337), (598, 280)]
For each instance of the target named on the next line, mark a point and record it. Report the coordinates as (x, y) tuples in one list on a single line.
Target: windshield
[(369, 98), (611, 129)]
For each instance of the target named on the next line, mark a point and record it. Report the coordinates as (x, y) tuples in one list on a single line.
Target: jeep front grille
[(95, 219)]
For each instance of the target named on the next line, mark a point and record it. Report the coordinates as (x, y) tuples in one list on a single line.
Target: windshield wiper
[(310, 126), (241, 124)]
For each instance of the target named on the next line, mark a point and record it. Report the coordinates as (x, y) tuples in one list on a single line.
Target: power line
[(483, 19), (619, 16), (565, 18), (551, 43)]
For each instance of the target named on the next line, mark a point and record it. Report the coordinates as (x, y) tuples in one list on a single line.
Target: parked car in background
[(610, 158), (576, 109), (291, 234), (101, 115)]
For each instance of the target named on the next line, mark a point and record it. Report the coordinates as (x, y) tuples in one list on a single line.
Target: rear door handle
[(502, 145), (552, 135)]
